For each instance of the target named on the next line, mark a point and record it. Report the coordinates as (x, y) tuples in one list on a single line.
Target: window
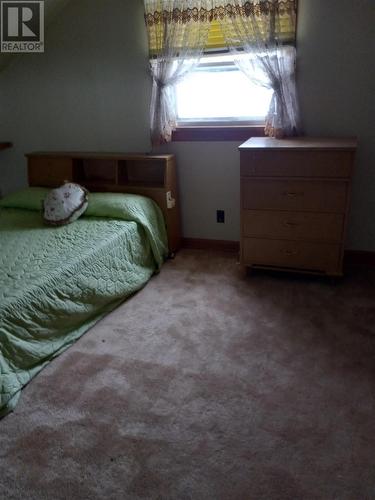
[(217, 92)]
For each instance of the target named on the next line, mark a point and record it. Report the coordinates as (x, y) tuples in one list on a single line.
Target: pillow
[(28, 199), (65, 204), (116, 205)]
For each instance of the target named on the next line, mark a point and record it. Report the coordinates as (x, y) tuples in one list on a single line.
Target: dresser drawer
[(319, 196), (291, 254), (296, 163), (306, 226), (49, 172)]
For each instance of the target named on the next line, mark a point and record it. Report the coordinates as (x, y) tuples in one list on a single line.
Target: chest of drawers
[(295, 197)]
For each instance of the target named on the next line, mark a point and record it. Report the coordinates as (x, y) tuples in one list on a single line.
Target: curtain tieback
[(276, 86), (161, 85)]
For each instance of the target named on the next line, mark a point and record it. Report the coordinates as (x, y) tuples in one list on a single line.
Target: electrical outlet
[(220, 216)]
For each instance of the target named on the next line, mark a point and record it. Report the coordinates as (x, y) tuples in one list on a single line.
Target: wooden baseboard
[(353, 258), (358, 258), (204, 244)]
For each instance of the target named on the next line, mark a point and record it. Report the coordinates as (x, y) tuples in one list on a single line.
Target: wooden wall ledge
[(5, 145)]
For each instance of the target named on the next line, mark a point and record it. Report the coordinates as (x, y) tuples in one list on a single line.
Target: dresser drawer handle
[(293, 194), (291, 224), (289, 253)]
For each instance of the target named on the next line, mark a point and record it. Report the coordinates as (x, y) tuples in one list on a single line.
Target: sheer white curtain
[(177, 34), (261, 35), (275, 70)]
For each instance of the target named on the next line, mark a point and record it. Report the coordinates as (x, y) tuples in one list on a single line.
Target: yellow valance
[(276, 20)]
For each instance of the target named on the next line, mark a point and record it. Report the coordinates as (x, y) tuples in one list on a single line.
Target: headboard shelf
[(148, 175), (91, 169)]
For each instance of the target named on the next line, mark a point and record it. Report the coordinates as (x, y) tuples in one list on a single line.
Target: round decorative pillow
[(65, 204)]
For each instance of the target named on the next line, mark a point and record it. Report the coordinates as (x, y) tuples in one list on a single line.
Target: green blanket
[(55, 283)]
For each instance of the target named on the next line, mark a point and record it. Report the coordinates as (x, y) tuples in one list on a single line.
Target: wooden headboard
[(153, 176)]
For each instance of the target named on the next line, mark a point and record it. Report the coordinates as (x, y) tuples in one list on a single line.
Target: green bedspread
[(55, 283)]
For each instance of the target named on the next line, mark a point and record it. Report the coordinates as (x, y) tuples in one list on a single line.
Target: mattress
[(55, 283)]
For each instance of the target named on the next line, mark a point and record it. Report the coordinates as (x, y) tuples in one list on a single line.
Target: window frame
[(230, 129), (232, 133)]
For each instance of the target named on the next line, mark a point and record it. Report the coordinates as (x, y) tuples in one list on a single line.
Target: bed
[(55, 283)]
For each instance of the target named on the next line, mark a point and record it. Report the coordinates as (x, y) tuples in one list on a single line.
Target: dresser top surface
[(300, 143)]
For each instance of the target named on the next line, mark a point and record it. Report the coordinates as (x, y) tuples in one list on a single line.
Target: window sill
[(217, 133)]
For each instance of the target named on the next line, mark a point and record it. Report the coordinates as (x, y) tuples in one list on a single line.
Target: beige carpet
[(207, 385)]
